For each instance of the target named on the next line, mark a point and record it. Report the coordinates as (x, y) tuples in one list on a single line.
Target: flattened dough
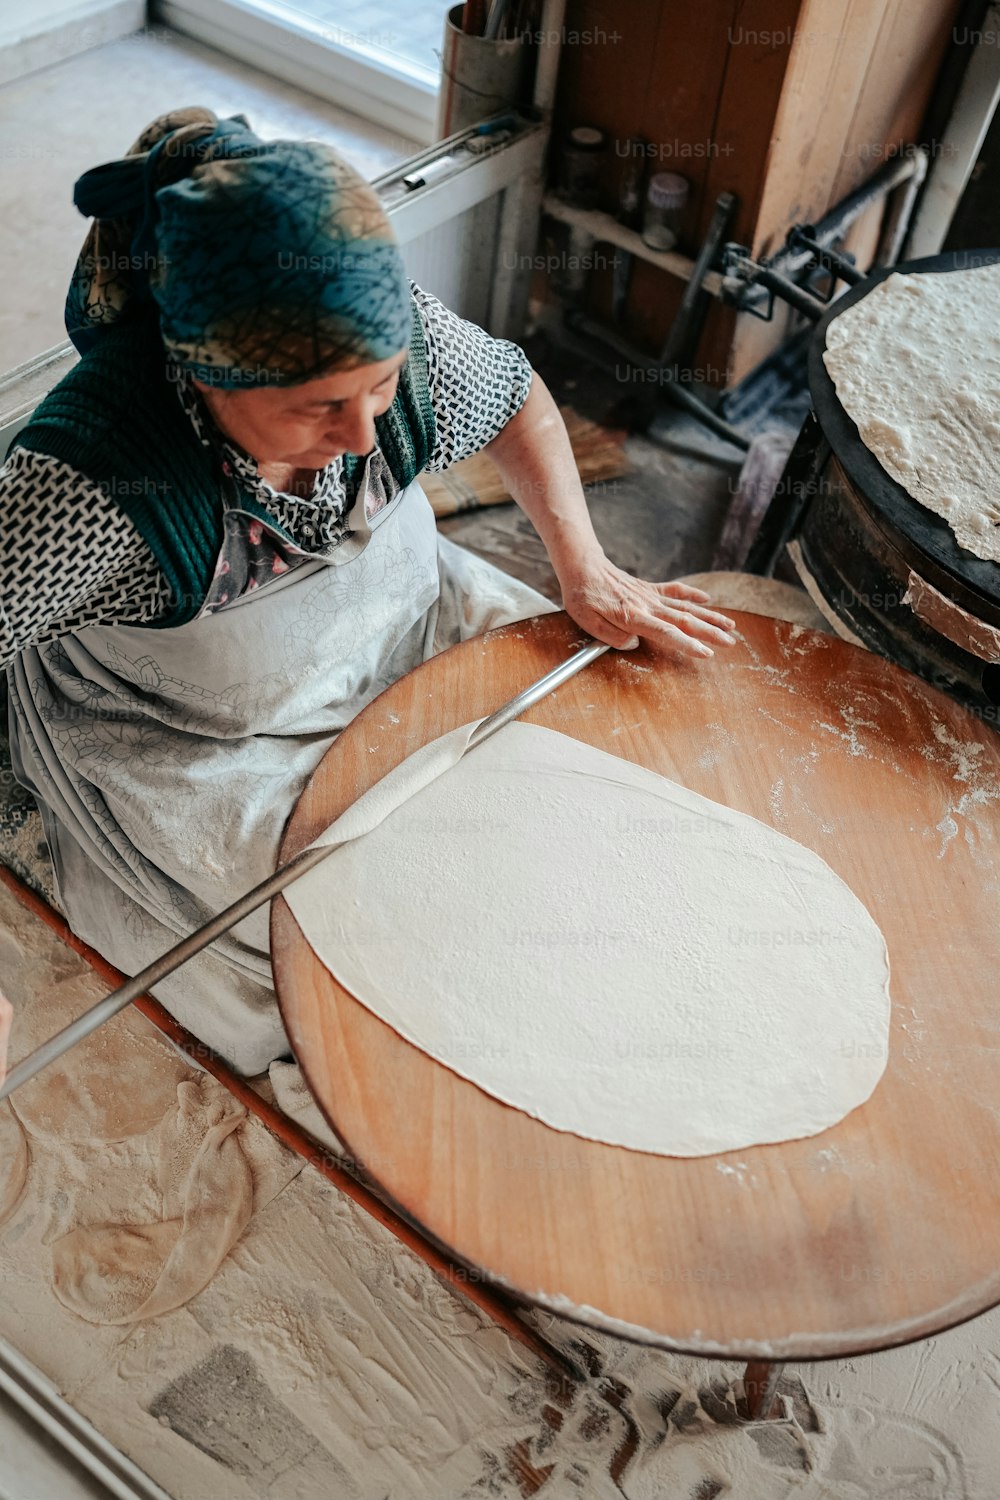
[(602, 948), (124, 1273), (916, 364), (13, 1161)]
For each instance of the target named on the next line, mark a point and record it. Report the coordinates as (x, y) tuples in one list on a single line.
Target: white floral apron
[(166, 762)]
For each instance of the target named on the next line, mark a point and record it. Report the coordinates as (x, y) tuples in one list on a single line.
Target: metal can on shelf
[(581, 163)]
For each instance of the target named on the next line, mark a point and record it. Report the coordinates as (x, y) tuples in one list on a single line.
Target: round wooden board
[(880, 1230)]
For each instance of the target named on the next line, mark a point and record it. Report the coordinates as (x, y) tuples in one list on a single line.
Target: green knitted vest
[(115, 418)]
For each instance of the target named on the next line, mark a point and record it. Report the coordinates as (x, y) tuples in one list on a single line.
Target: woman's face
[(307, 425)]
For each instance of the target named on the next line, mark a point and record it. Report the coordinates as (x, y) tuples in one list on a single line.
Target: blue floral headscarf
[(266, 262)]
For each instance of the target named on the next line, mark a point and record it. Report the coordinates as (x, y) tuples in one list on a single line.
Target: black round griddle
[(919, 535)]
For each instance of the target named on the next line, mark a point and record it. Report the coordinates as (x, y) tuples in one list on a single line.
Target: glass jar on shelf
[(666, 197)]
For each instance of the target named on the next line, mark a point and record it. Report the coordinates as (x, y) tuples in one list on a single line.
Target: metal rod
[(587, 331), (749, 272), (803, 237), (498, 14), (474, 17), (249, 902), (536, 691), (680, 395), (899, 214), (347, 1174), (789, 262), (682, 339), (837, 220)]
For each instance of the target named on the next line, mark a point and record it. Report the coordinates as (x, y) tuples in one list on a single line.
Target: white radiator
[(468, 223)]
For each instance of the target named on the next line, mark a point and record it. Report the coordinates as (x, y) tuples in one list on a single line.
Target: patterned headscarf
[(268, 263)]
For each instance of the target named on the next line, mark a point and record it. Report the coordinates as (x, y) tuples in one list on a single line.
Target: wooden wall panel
[(679, 116), (910, 47), (787, 103), (759, 46), (859, 81), (604, 81), (757, 59), (661, 78)]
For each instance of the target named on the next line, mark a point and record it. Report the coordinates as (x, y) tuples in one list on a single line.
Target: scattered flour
[(947, 828), (848, 733)]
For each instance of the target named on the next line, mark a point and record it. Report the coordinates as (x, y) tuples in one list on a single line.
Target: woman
[(228, 553)]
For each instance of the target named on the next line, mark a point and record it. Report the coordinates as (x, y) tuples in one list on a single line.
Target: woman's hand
[(621, 610), (535, 458)]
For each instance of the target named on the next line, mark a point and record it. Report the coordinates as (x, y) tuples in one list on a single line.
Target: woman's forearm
[(535, 459)]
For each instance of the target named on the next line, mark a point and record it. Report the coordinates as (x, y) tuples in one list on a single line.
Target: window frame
[(352, 74)]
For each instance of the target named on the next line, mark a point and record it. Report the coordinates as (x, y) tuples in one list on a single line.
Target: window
[(378, 58)]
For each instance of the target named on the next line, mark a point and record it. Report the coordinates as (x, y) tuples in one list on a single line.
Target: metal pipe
[(837, 220), (549, 49), (896, 224), (686, 326), (689, 402), (306, 860), (777, 275), (38, 1398), (497, 16), (787, 262)]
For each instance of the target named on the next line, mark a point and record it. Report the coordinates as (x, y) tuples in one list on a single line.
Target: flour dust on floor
[(323, 1359)]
